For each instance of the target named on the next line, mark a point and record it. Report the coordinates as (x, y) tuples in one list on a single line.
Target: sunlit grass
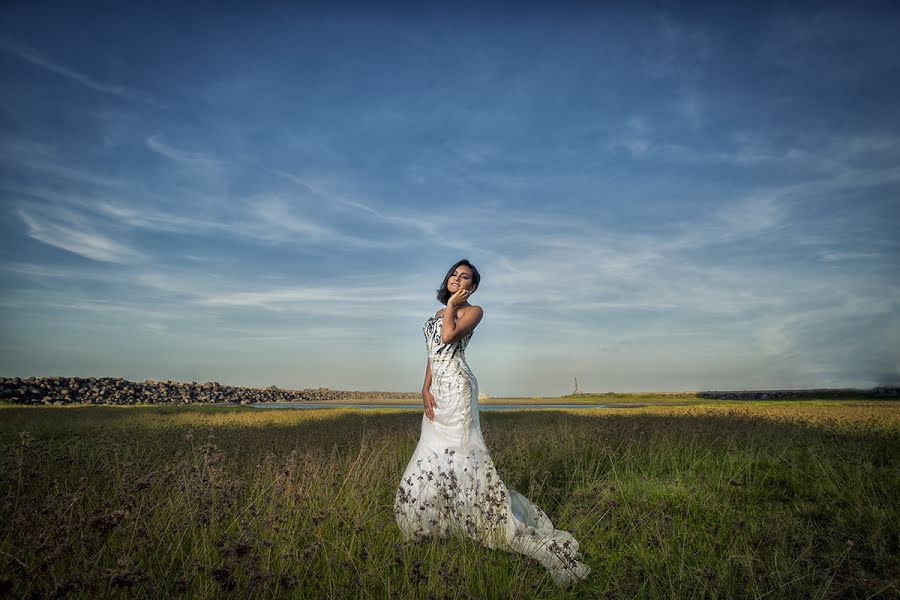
[(776, 499)]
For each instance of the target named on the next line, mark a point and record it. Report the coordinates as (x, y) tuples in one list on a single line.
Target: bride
[(450, 486)]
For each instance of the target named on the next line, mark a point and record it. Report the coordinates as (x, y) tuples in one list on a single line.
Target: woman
[(450, 486)]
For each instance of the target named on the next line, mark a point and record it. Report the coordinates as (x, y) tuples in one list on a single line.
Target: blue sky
[(681, 200)]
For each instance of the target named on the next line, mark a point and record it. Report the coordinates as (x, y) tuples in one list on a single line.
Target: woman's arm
[(452, 330), (427, 398), (427, 384)]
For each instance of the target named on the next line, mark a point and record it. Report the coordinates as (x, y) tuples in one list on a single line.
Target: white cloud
[(747, 217), (341, 199), (276, 214), (346, 301), (34, 57), (69, 235), (30, 156), (50, 272), (353, 298), (186, 158), (847, 332), (842, 256), (274, 219)]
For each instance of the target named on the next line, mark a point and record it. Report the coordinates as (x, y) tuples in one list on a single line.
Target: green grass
[(774, 499)]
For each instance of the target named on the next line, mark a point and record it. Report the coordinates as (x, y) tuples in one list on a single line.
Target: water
[(304, 405)]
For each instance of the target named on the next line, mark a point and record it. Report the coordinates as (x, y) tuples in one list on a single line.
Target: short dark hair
[(443, 294)]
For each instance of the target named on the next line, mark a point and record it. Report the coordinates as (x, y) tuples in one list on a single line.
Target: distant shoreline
[(118, 391)]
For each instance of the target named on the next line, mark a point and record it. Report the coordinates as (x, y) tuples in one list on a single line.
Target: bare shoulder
[(475, 310)]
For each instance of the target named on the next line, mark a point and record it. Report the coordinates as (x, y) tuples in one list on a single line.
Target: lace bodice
[(432, 330)]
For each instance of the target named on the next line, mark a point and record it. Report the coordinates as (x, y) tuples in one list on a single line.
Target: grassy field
[(777, 499)]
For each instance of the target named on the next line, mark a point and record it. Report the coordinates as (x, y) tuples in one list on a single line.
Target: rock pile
[(115, 390)]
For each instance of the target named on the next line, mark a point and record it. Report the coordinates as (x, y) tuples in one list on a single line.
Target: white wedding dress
[(450, 486)]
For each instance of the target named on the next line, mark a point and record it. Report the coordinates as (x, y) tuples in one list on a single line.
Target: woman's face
[(461, 279)]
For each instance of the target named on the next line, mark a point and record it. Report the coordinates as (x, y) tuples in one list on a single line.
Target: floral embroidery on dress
[(450, 486)]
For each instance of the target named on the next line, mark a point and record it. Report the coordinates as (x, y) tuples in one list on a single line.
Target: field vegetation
[(763, 499), (655, 398)]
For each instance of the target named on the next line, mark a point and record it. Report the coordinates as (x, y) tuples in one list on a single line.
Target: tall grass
[(733, 500)]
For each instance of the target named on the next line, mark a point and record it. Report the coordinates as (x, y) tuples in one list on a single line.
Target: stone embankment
[(883, 391), (115, 390)]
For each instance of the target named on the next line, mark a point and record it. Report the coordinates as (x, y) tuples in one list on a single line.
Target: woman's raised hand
[(428, 401), (458, 297)]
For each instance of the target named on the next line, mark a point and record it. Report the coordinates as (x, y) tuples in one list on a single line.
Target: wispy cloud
[(153, 219), (270, 219), (186, 158), (277, 215), (29, 156), (847, 319), (69, 235), (51, 272), (842, 256), (125, 207), (334, 300), (340, 199), (420, 224), (291, 336), (276, 219), (731, 221), (37, 59), (352, 299)]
